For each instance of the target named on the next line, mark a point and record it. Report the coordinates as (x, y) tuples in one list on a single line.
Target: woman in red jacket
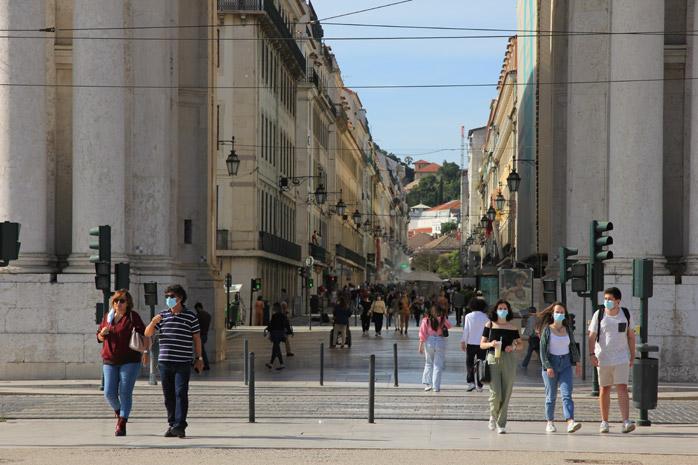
[(121, 363)]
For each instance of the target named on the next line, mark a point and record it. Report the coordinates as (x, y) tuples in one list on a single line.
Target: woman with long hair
[(432, 343), (121, 363), (558, 353), (500, 338)]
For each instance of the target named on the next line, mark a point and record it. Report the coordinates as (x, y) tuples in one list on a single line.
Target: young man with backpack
[(613, 340)]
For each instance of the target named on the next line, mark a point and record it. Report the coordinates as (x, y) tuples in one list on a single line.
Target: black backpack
[(626, 312)]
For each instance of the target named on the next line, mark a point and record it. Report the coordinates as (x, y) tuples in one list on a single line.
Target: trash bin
[(645, 383)]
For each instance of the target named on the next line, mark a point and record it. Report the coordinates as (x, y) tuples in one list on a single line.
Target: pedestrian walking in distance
[(611, 336), (121, 363), (433, 331), (500, 338), (531, 332), (204, 325), (377, 312), (341, 314), (473, 326), (558, 354), (179, 331), (278, 328), (365, 314)]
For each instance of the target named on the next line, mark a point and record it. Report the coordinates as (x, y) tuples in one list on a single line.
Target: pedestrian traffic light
[(102, 244), (301, 271), (578, 274), (572, 322), (597, 254), (150, 291), (121, 276), (309, 283), (9, 242), (256, 284), (566, 263), (103, 276), (549, 291)]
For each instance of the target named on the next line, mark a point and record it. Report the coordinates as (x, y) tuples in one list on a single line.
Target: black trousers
[(473, 351), (277, 337), (378, 322), (365, 322), (459, 316)]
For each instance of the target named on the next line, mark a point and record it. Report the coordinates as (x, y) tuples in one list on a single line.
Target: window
[(187, 232)]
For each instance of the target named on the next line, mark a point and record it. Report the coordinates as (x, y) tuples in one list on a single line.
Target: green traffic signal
[(100, 241), (566, 262), (309, 283)]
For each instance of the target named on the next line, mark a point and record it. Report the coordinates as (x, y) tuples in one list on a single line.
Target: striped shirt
[(176, 335)]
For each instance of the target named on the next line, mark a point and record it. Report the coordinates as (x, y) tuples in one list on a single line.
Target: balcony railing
[(274, 19), (279, 246), (350, 255), (318, 253)]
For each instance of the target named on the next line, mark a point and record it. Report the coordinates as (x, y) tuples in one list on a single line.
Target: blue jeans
[(119, 381), (175, 388), (562, 365), (435, 354)]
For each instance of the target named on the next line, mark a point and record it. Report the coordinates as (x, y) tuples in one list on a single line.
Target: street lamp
[(356, 216), (321, 194), (484, 221), (499, 201), (491, 213), (513, 181), (341, 207)]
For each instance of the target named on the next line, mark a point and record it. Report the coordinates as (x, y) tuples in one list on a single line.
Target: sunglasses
[(120, 301), (170, 295)]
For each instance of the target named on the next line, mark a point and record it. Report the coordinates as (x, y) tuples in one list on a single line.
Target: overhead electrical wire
[(365, 10)]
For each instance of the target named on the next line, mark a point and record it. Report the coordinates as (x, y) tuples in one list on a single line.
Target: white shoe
[(603, 427), (428, 388), (479, 389), (573, 426), (470, 387), (628, 426), (492, 424), (501, 430), (550, 427)]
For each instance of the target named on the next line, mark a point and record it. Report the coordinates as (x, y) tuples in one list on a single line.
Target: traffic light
[(256, 284), (309, 283), (578, 274), (301, 272), (9, 242), (572, 322), (121, 276), (150, 291), (597, 254), (102, 244), (549, 291), (566, 263)]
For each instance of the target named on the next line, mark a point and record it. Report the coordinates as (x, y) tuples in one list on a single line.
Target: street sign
[(309, 261)]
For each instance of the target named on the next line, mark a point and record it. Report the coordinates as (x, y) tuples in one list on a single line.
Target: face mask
[(559, 317), (502, 314), (608, 304), (170, 302)]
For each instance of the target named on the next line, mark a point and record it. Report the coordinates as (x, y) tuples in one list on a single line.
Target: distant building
[(423, 168), (429, 220)]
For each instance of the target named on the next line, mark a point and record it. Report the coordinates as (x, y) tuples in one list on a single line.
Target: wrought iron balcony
[(318, 253), (350, 255), (279, 246), (272, 22)]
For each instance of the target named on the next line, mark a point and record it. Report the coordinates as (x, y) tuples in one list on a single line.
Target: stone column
[(24, 131), (692, 84), (635, 159), (99, 126), (149, 194)]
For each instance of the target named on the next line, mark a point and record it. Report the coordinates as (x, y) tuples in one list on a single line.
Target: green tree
[(425, 261), (448, 227), (438, 189), (447, 265)]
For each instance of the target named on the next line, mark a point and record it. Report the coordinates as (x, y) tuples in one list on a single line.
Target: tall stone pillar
[(153, 129), (635, 157), (692, 76), (24, 131), (99, 126)]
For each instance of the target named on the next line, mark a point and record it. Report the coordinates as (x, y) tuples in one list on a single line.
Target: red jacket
[(115, 349)]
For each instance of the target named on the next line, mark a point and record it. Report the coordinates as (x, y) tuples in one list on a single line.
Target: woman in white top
[(473, 326), (558, 353)]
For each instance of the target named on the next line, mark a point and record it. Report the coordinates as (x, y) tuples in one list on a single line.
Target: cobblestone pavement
[(220, 393)]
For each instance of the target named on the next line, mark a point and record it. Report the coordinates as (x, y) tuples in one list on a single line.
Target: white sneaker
[(550, 427), (603, 427), (573, 426), (470, 387), (492, 424), (628, 426), (501, 430), (428, 388)]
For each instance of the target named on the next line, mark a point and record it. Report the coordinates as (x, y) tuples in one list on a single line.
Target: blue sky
[(413, 121)]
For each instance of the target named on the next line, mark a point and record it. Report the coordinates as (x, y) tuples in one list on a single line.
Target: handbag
[(444, 331), (137, 341), (482, 371)]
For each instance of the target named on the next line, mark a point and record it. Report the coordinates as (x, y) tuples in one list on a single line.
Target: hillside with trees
[(435, 190)]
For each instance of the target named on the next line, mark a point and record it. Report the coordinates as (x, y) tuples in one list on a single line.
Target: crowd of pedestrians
[(489, 340)]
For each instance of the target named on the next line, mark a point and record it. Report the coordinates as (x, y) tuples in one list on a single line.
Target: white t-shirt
[(473, 326), (612, 347)]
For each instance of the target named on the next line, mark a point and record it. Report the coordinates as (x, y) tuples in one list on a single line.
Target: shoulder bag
[(444, 329), (137, 341), (482, 368)]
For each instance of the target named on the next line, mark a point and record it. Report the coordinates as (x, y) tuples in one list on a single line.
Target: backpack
[(626, 312)]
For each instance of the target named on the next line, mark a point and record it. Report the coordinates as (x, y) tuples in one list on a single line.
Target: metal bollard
[(395, 364), (322, 364), (251, 389), (371, 388), (247, 362)]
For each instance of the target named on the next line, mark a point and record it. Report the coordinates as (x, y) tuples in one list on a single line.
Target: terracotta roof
[(430, 168), (419, 240), (445, 243), (453, 204), (415, 231)]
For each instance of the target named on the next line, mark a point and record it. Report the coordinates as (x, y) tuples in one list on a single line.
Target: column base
[(624, 266), (691, 265), (31, 263)]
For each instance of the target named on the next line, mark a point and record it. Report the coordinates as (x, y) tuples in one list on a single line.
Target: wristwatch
[(200, 358)]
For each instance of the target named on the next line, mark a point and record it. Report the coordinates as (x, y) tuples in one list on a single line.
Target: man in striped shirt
[(178, 329)]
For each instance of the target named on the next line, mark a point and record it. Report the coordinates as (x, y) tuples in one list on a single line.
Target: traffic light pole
[(151, 375)]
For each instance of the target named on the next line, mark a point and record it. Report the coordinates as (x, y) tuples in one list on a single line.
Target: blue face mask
[(171, 302), (559, 317), (608, 304), (502, 314)]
